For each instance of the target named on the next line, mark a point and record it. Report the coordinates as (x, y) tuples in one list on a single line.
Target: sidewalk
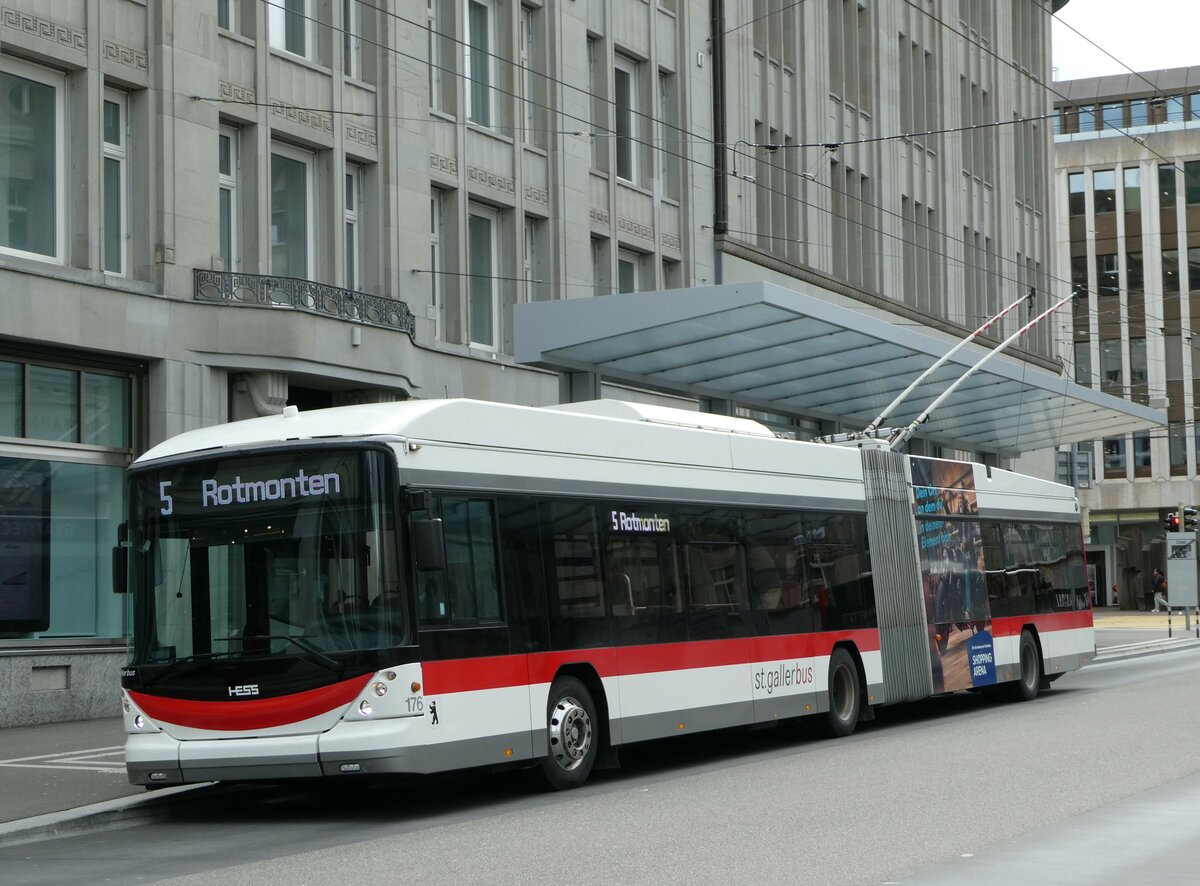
[(55, 775), (1124, 633), (64, 776)]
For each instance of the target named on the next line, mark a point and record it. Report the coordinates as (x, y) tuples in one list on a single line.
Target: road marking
[(87, 760)]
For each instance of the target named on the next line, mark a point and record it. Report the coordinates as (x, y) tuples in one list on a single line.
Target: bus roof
[(459, 420)]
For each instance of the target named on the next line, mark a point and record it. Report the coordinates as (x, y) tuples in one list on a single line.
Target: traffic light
[(1171, 522), (1189, 519)]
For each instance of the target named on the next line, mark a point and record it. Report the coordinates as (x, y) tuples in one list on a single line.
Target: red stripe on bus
[(1011, 625), (505, 671), (258, 713)]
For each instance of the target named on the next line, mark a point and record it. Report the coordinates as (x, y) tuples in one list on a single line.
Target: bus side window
[(467, 590)]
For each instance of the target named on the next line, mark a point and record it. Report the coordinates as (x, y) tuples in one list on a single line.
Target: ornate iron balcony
[(264, 291)]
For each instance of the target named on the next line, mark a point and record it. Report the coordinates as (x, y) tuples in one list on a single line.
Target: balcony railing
[(291, 293)]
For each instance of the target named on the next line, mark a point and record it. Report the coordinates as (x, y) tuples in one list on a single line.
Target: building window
[(227, 196), (1141, 454), (536, 285), (1083, 362), (599, 110), (629, 267), (1191, 182), (601, 282), (480, 70), (1113, 115), (1111, 372), (64, 405), (1177, 435), (482, 258), (672, 147), (1104, 183), (625, 103), (1076, 187), (227, 11), (1114, 457), (352, 38), (114, 223), (289, 24), (672, 272), (1107, 275), (533, 81), (291, 211), (1137, 361), (353, 242), (437, 260), (31, 176), (1170, 270)]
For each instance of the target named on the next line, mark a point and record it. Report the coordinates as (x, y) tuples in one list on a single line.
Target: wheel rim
[(843, 693), (570, 733)]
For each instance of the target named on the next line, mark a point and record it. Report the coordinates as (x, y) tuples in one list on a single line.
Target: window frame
[(437, 254), (227, 15), (492, 216), (119, 154), (351, 225), (229, 182), (58, 82), (352, 39), (309, 159), (626, 144), (487, 55), (277, 39)]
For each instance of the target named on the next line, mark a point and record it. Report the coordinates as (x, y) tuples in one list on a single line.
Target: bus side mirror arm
[(429, 545)]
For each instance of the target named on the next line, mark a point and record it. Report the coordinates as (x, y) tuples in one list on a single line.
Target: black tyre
[(845, 693), (572, 734), (1030, 657)]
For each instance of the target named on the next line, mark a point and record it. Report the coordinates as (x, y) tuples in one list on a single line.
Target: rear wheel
[(1030, 682), (845, 696), (572, 735)]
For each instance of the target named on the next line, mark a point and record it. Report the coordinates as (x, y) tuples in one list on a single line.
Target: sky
[(1146, 35)]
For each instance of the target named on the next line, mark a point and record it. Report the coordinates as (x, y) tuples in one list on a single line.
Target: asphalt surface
[(68, 777)]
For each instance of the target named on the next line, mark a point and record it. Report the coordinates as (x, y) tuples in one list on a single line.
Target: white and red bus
[(432, 585)]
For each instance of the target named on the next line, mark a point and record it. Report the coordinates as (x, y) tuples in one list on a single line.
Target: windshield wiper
[(314, 654), (173, 666)]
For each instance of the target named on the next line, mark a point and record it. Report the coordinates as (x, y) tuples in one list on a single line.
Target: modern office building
[(1127, 185), (212, 209)]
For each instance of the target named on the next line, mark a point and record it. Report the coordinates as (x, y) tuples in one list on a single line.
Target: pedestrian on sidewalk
[(1160, 597), (1156, 583)]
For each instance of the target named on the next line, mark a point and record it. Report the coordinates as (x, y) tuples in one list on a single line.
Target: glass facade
[(65, 440)]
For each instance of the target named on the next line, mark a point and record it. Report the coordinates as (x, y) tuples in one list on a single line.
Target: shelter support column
[(578, 387)]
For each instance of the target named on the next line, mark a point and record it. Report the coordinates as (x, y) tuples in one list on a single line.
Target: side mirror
[(429, 545), (120, 569)]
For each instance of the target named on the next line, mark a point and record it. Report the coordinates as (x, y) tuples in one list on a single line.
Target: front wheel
[(572, 735), (1027, 687), (845, 696)]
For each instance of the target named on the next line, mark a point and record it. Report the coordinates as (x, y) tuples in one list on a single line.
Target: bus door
[(476, 679), (786, 593)]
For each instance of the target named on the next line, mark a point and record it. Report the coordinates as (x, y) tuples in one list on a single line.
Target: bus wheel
[(572, 734), (1027, 687), (845, 699)]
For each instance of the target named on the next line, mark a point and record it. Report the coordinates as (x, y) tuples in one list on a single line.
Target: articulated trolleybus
[(432, 585)]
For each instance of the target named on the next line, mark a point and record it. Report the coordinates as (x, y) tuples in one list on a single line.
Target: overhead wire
[(650, 143)]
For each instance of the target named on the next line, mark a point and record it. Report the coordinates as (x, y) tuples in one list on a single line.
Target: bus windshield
[(291, 553)]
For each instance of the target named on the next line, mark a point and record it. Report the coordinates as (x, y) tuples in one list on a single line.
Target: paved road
[(957, 781)]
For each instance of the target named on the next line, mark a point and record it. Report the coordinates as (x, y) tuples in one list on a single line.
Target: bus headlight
[(365, 708), (379, 689), (139, 721)]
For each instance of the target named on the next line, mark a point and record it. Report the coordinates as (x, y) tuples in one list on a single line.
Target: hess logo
[(243, 691)]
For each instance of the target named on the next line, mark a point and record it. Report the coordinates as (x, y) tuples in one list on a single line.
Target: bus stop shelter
[(768, 347)]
